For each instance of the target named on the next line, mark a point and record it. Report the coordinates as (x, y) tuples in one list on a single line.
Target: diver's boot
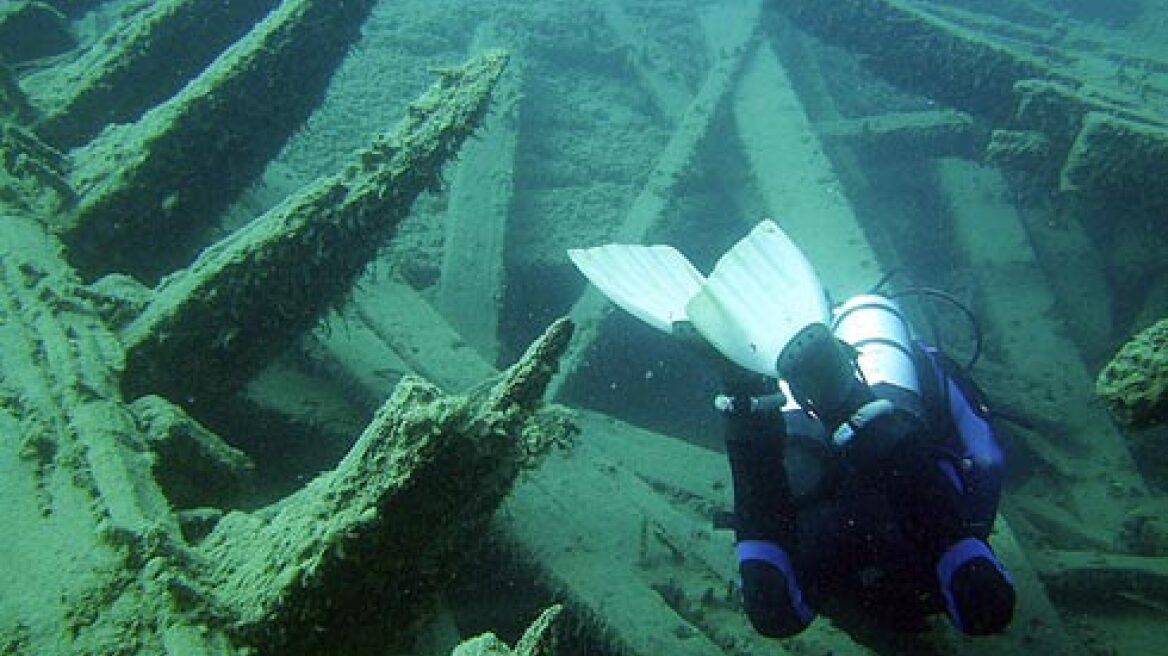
[(978, 591), (770, 590)]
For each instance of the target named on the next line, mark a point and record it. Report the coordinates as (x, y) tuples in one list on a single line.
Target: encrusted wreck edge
[(249, 296), (351, 560), (539, 639), (1134, 384)]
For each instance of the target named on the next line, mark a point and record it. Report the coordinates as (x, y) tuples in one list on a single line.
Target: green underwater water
[(684, 123)]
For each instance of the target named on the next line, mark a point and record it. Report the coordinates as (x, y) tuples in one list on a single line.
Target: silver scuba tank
[(876, 327)]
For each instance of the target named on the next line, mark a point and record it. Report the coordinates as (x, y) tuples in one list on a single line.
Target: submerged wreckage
[(135, 328)]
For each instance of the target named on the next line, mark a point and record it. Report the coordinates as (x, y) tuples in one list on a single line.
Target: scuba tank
[(876, 328)]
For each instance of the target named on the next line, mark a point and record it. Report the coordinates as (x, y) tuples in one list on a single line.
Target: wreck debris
[(87, 471), (194, 467), (1024, 150), (77, 474), (155, 48), (382, 531), (1115, 158), (1018, 307), (1078, 577), (1009, 87), (247, 297), (538, 640), (923, 52), (150, 189), (470, 287), (33, 175), (935, 133), (1134, 384)]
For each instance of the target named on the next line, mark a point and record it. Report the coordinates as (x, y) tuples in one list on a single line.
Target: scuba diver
[(864, 466)]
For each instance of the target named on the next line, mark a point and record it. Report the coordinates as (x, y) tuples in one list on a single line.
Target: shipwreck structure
[(283, 292)]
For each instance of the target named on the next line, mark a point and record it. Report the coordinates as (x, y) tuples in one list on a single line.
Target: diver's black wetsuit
[(895, 522)]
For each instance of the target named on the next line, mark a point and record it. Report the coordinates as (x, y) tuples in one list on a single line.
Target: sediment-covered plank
[(935, 133), (151, 188), (349, 563), (154, 49), (1018, 307), (94, 562), (1119, 160), (248, 297), (471, 287), (923, 52)]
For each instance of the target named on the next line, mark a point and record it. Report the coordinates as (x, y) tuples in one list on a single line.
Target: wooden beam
[(144, 58), (149, 190), (249, 296), (1023, 325), (471, 284)]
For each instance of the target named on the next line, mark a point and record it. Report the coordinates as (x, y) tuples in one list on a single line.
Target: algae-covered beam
[(211, 326), (1119, 160), (96, 559), (1133, 382), (153, 50), (350, 562), (922, 52), (542, 638), (1078, 578), (922, 134), (150, 189)]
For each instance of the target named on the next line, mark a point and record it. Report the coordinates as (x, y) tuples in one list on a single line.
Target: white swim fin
[(761, 293), (652, 283)]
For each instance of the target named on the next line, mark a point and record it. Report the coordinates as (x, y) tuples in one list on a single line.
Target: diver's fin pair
[(760, 294)]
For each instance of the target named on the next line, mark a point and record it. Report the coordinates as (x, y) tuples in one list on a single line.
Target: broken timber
[(149, 190), (658, 582), (76, 474), (247, 297), (122, 578), (1006, 86), (344, 564), (154, 49), (909, 134)]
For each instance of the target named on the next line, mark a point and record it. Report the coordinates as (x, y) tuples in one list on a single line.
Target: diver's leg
[(764, 519), (878, 435), (978, 592)]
